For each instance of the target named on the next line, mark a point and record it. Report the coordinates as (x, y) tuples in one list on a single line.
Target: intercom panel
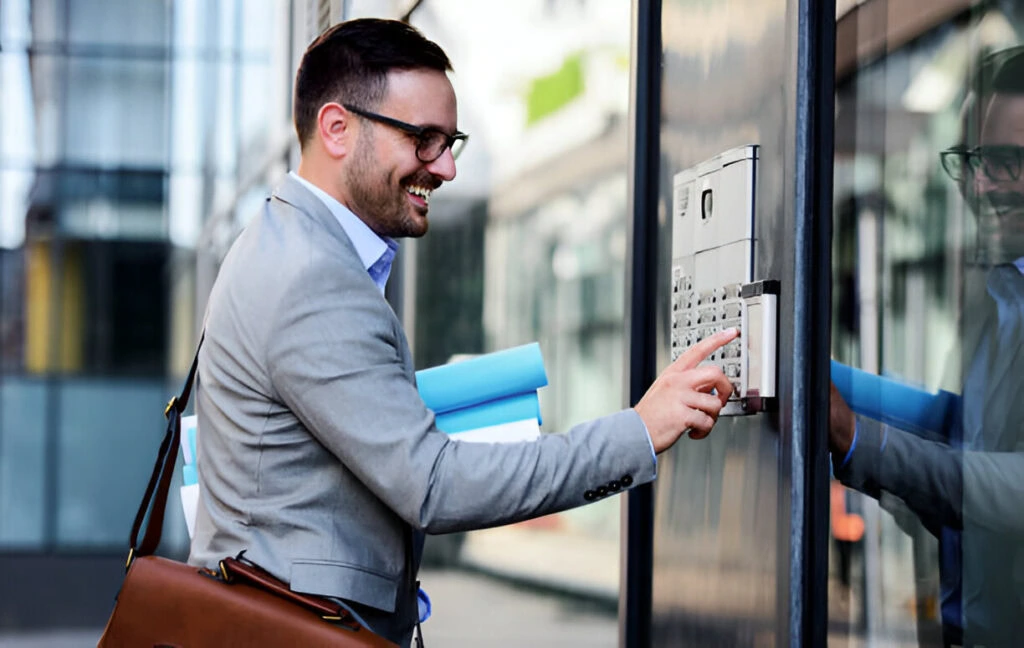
[(713, 283)]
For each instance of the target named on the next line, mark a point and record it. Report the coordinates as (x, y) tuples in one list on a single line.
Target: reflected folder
[(895, 403)]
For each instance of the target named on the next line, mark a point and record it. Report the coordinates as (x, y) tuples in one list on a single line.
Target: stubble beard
[(381, 199), (1001, 229)]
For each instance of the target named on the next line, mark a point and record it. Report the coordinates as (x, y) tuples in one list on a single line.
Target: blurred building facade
[(124, 127)]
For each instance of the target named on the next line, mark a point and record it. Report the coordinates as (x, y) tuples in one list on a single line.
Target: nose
[(444, 166), (982, 183)]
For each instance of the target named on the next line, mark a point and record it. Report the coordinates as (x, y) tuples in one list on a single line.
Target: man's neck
[(315, 175)]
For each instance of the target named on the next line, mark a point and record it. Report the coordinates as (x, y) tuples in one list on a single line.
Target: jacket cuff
[(861, 466)]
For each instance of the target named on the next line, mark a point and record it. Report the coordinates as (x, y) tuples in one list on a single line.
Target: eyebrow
[(438, 127)]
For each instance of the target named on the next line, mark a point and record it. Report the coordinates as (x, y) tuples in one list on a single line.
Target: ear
[(334, 129)]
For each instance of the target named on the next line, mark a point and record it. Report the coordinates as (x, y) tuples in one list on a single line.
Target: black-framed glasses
[(430, 142), (999, 162)]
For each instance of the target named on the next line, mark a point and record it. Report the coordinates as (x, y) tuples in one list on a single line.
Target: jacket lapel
[(292, 192)]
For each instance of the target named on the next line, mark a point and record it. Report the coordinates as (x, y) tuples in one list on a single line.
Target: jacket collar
[(292, 192)]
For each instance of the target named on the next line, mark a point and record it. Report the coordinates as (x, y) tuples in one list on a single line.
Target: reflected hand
[(680, 398), (841, 424)]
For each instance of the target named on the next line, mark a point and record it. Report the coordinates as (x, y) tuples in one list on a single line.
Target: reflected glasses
[(430, 142), (999, 163)]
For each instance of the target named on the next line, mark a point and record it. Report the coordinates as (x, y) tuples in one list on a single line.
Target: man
[(317, 455), (967, 488)]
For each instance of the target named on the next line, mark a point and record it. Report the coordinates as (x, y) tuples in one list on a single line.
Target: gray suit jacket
[(316, 453)]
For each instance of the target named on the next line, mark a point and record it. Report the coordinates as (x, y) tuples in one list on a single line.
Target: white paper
[(189, 504), (525, 430), (187, 423)]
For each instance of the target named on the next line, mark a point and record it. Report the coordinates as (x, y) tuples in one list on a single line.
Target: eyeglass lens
[(998, 163), (433, 144)]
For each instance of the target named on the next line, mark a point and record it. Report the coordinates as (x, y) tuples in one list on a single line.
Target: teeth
[(422, 192)]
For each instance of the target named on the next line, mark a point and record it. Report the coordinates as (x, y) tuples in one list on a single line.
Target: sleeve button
[(626, 480), (602, 491), (590, 496), (615, 485)]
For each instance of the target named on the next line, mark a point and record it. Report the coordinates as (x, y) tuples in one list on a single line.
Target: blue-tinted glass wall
[(126, 126), (85, 309)]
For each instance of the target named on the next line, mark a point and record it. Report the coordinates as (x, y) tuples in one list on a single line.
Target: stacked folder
[(491, 397)]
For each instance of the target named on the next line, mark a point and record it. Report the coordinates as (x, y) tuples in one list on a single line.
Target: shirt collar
[(375, 252)]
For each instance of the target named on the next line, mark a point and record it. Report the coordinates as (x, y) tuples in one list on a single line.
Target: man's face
[(999, 194), (388, 187)]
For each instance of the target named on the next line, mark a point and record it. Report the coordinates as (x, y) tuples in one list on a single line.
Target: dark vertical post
[(638, 534), (814, 121)]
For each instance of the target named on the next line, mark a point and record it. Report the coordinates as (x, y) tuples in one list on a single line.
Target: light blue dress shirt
[(377, 253)]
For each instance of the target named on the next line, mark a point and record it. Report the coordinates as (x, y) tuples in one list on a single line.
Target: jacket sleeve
[(943, 485), (335, 361)]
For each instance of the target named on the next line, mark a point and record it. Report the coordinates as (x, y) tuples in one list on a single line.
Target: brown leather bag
[(167, 603)]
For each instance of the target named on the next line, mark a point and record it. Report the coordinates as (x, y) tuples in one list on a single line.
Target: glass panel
[(108, 434), (529, 245), (140, 24), (23, 505), (925, 547), (116, 112), (91, 289), (722, 520)]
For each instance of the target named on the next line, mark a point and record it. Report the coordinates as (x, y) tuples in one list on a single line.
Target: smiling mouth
[(423, 193)]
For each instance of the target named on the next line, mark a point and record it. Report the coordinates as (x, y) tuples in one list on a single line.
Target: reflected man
[(967, 487)]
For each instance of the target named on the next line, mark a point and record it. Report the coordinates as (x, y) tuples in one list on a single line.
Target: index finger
[(699, 352)]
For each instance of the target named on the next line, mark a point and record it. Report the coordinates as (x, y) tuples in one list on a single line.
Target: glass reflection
[(929, 290)]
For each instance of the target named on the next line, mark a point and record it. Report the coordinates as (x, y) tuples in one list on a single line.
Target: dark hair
[(349, 63), (1008, 74), (999, 71)]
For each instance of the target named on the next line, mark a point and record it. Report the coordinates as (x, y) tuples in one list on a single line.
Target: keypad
[(700, 314)]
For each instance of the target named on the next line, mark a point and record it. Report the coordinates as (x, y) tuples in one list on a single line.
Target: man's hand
[(681, 399), (841, 424)]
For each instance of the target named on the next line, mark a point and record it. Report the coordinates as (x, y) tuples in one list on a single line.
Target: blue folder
[(482, 379), (188, 470), (505, 410), (893, 402)]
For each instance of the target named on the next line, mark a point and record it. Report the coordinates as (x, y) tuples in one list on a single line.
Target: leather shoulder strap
[(155, 498)]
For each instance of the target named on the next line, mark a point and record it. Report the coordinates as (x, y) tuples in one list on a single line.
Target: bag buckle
[(170, 404)]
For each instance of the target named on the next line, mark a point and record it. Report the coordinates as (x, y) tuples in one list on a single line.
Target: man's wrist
[(853, 445)]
